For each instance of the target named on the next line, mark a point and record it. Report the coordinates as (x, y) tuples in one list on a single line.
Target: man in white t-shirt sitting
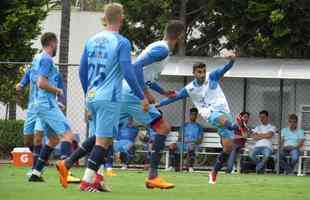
[(262, 135)]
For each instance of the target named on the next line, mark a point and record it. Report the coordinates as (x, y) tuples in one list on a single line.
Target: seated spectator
[(292, 141), (262, 135), (193, 135), (148, 140), (240, 139), (123, 145)]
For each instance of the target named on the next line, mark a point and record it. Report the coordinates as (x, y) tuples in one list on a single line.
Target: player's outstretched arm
[(181, 95), (219, 73), (83, 71)]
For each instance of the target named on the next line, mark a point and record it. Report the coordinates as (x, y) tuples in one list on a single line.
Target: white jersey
[(152, 72), (207, 99)]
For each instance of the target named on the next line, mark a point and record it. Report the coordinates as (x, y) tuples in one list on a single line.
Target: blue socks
[(36, 154), (96, 157), (109, 159), (65, 149), (221, 158), (84, 149), (159, 144), (44, 155)]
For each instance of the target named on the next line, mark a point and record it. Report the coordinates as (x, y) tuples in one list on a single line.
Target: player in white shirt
[(208, 97), (262, 135)]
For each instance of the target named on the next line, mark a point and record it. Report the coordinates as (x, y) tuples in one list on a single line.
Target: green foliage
[(11, 135), (273, 28), (20, 22)]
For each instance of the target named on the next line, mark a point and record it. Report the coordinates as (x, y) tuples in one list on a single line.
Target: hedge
[(11, 135)]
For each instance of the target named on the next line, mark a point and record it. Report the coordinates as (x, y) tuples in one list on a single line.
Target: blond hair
[(112, 12)]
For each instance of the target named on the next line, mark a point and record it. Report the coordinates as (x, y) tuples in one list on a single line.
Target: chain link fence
[(252, 95)]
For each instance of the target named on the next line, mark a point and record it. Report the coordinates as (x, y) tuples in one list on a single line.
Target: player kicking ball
[(149, 65), (208, 97)]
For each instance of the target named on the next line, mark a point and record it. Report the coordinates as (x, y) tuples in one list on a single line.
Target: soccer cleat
[(63, 173), (111, 173), (35, 178), (100, 184), (73, 179), (158, 182), (88, 187), (212, 178)]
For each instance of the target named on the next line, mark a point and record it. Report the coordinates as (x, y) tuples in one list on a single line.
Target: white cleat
[(190, 170)]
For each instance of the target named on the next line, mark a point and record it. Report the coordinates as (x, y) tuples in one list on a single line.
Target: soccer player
[(106, 60), (151, 62), (209, 99), (44, 81), (154, 57), (193, 135)]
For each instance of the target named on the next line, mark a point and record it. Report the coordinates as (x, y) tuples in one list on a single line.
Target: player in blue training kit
[(193, 135), (44, 81), (209, 99), (33, 128), (106, 60), (149, 65)]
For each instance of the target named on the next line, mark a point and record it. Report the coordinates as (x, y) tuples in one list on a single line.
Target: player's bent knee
[(38, 139), (68, 136)]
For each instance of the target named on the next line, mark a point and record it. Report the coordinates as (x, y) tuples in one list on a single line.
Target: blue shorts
[(122, 146), (32, 124), (134, 109), (105, 117), (53, 118), (29, 123), (214, 121)]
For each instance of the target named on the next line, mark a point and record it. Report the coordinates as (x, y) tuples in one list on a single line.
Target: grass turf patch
[(129, 185)]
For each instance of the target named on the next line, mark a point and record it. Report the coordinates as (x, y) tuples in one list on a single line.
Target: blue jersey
[(105, 61), (26, 80), (192, 132), (127, 133), (43, 65)]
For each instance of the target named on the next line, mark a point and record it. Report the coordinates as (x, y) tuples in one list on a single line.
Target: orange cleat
[(158, 182), (111, 173), (63, 173)]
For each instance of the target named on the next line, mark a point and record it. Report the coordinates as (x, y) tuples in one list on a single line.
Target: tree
[(64, 39), (20, 22), (269, 28)]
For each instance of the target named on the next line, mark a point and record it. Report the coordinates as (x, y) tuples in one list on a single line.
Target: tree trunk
[(12, 111), (64, 40), (182, 17)]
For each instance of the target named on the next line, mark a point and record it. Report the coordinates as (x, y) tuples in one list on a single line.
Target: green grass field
[(129, 185)]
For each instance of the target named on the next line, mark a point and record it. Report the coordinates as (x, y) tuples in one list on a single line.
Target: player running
[(106, 60), (44, 79), (207, 95)]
